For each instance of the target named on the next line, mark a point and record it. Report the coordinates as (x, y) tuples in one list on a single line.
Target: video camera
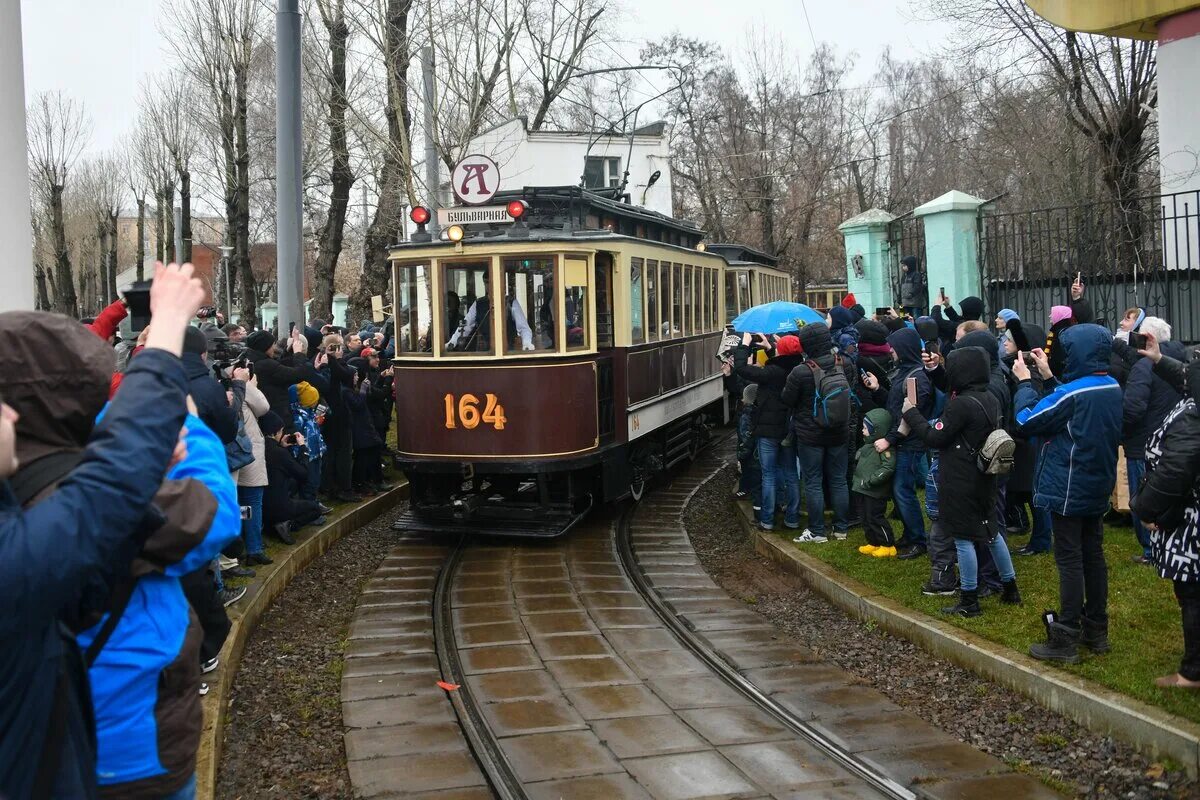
[(225, 356)]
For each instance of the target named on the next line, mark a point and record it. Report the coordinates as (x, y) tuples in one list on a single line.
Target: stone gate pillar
[(867, 258), (952, 245)]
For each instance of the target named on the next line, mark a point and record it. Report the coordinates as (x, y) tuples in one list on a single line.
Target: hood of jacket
[(57, 396), (840, 317), (879, 421), (972, 308), (194, 366), (1088, 348), (906, 342), (816, 341), (871, 332), (969, 368), (981, 339)]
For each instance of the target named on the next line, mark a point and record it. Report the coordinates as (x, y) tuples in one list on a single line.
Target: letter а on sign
[(476, 179)]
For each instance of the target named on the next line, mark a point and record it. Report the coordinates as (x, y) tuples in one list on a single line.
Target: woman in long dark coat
[(966, 496)]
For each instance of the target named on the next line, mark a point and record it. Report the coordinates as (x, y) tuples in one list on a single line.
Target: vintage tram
[(559, 358)]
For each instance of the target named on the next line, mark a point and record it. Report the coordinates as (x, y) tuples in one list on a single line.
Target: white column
[(16, 229), (1179, 102)]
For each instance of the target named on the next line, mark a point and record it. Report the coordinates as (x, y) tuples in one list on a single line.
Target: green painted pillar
[(341, 308), (867, 258), (952, 245), (268, 312)]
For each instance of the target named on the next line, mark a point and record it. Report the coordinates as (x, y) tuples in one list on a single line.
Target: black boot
[(283, 532), (1062, 642), (1010, 594), (1094, 636), (967, 606)]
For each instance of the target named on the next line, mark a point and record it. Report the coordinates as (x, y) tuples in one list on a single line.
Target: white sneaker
[(840, 535), (203, 688), (210, 665), (808, 537)]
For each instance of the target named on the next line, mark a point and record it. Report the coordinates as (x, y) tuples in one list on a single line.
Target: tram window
[(530, 305), (743, 285), (713, 313), (636, 310), (467, 309), (414, 310), (652, 301), (676, 321), (575, 279), (702, 305), (731, 306), (604, 306), (689, 306)]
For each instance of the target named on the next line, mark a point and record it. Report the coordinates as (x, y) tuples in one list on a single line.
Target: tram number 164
[(468, 414)]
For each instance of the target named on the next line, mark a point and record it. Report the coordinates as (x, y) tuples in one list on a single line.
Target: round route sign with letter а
[(475, 180)]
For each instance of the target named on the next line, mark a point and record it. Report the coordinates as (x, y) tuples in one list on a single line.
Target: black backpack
[(831, 396)]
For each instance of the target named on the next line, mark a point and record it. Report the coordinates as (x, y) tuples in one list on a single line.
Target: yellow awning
[(1130, 19)]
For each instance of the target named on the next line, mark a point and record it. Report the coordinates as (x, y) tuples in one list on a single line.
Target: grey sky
[(100, 51)]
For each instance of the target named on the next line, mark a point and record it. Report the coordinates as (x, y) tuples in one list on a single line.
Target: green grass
[(1144, 623)]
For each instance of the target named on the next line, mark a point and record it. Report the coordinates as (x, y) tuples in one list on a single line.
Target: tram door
[(604, 301)]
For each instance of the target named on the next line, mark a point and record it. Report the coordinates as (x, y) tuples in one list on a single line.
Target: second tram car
[(560, 360)]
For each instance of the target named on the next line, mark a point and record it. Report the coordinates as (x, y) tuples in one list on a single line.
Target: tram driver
[(475, 331)]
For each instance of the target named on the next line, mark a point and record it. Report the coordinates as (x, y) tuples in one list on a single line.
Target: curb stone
[(1148, 729), (244, 616)]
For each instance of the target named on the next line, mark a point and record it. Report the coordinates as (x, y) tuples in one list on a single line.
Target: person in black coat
[(277, 375), (285, 476), (966, 496), (1147, 401), (1021, 339), (338, 430), (368, 445), (822, 451), (1167, 504), (212, 406), (948, 320), (910, 450), (772, 424)]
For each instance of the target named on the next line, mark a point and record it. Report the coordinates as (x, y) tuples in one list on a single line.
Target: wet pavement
[(590, 696)]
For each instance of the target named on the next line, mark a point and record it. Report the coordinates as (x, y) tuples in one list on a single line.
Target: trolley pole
[(288, 212), (16, 233), (431, 156)]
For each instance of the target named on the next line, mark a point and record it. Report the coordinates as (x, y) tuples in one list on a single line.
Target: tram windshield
[(530, 306), (414, 310), (467, 309)]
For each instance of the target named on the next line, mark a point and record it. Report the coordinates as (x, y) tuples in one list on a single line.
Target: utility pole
[(288, 212), (16, 272), (431, 156)]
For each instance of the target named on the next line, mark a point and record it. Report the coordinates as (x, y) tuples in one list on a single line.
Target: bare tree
[(58, 130), (101, 185), (170, 101), (560, 35)]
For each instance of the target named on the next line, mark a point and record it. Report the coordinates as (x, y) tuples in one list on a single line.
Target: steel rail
[(495, 765)]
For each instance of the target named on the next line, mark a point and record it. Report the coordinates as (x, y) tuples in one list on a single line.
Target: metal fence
[(1140, 253), (906, 237)]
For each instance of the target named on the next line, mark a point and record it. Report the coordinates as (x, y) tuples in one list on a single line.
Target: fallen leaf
[(1155, 771), (449, 687)]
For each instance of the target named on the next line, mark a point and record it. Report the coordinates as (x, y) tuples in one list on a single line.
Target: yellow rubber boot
[(867, 549), (884, 552)]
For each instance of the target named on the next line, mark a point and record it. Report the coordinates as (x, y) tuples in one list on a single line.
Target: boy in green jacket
[(873, 484)]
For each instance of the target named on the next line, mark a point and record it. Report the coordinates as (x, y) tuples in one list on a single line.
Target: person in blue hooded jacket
[(1079, 425), (50, 552)]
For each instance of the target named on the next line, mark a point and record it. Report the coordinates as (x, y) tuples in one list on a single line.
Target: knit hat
[(270, 423), (972, 308), (841, 317), (194, 341), (260, 341), (858, 311), (307, 394), (1008, 315), (1058, 314), (871, 332), (750, 394), (367, 352), (788, 346), (849, 301), (893, 324)]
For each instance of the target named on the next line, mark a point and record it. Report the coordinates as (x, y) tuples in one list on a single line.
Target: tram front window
[(414, 310), (576, 304), (467, 309), (529, 284)]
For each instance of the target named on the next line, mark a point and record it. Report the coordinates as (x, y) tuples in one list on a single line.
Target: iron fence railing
[(906, 237), (1143, 252)]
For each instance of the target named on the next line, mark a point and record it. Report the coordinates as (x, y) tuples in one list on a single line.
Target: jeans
[(1040, 540), (968, 565), (218, 578), (1188, 595), (252, 529), (778, 465), (817, 464), (931, 490), (309, 490), (904, 487), (942, 555), (1082, 571), (1137, 469), (187, 792)]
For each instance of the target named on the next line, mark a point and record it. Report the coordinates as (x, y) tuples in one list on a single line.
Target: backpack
[(831, 396), (995, 455)]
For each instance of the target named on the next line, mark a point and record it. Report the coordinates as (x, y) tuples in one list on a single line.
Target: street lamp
[(226, 252)]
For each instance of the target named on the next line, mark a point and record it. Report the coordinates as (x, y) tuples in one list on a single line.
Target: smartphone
[(246, 512), (1137, 341), (1078, 278), (942, 292), (882, 311), (910, 388)]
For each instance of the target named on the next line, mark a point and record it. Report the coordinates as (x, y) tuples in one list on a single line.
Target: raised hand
[(1020, 369), (175, 297)]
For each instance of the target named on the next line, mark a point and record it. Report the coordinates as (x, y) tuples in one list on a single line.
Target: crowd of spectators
[(138, 477), (1011, 431)]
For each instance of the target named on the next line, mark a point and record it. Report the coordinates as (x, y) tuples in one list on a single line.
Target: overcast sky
[(100, 51)]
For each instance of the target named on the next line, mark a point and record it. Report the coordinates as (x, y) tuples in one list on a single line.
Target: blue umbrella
[(777, 317)]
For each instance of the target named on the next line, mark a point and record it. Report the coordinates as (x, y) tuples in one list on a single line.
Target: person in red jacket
[(106, 322)]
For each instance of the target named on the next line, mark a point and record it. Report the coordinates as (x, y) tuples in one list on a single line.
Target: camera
[(206, 312), (1137, 341), (225, 356)]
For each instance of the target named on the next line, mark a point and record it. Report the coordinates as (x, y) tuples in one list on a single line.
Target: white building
[(562, 158)]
